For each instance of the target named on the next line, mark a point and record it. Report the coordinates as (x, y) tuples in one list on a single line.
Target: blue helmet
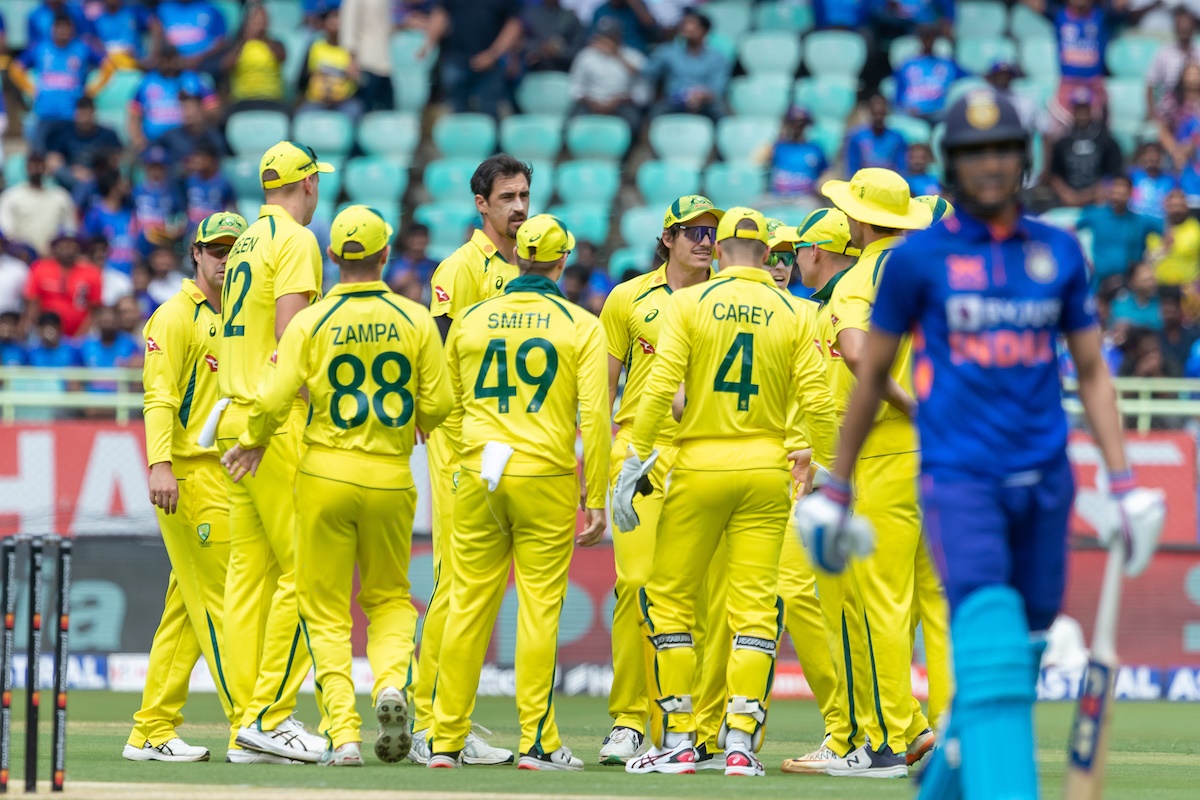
[(981, 117)]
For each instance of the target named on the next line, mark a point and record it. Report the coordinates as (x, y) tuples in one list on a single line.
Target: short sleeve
[(455, 287), (850, 303), (297, 265), (614, 319), (900, 296), (1079, 306)]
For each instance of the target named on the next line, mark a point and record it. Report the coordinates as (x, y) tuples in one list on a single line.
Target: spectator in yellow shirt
[(255, 65), (1176, 253), (330, 77)]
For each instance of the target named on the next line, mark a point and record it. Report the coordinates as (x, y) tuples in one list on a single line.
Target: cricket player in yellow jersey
[(274, 272), (632, 317), (373, 365), (524, 366), (736, 346), (188, 489), (476, 271)]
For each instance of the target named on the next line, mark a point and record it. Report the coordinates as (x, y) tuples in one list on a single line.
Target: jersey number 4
[(497, 353), (744, 387), (353, 388)]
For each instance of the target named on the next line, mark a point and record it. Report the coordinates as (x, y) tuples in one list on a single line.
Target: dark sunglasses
[(697, 233), (218, 250), (783, 257)]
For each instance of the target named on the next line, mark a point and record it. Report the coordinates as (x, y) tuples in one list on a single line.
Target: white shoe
[(560, 760), (283, 741), (444, 761), (620, 745), (311, 740), (174, 750), (419, 752), (236, 755), (742, 762), (478, 752), (813, 763), (348, 755), (866, 762), (394, 740), (677, 760)]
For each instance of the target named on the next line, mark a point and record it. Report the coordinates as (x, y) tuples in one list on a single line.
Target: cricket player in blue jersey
[(986, 293)]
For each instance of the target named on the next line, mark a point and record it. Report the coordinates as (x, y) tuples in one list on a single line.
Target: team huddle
[(279, 425)]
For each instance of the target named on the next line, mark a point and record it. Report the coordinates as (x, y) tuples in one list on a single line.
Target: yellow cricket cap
[(778, 233), (362, 225), (880, 197), (940, 206), (294, 162), (689, 207), (728, 228), (543, 238), (826, 229), (222, 225)]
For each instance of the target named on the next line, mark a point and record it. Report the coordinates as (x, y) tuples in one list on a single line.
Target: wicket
[(8, 564)]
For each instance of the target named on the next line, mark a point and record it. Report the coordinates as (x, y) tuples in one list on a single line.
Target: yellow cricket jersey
[(274, 257), (738, 347), (180, 374), (849, 298), (373, 364), (474, 272), (632, 318), (814, 368), (522, 366)]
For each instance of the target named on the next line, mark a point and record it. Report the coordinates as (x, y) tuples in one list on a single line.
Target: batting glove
[(830, 533), (632, 480), (1133, 519)]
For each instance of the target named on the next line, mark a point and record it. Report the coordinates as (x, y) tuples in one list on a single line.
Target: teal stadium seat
[(394, 134), (770, 53), (638, 258), (641, 225), (449, 180), (545, 93), (465, 136), (976, 55), (904, 48), (587, 182), (729, 185), (1039, 60), (723, 45), (532, 136), (887, 88), (284, 17), (329, 133), (331, 182), (252, 133), (14, 169), (119, 90), (1130, 56), (16, 20), (541, 190), (763, 95), (404, 48), (783, 16), (730, 18), (117, 119), (682, 137), (1025, 24), (961, 87), (410, 91), (832, 97), (1038, 93), (914, 131), (828, 135), (743, 139), (588, 221), (373, 179), (834, 53), (598, 136), (232, 11), (979, 18), (295, 42), (1126, 101), (1065, 218), (242, 174), (662, 182), (449, 225)]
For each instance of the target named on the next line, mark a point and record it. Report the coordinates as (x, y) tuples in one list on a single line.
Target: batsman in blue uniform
[(986, 295)]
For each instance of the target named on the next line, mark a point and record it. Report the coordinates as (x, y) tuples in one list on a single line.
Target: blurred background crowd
[(126, 122)]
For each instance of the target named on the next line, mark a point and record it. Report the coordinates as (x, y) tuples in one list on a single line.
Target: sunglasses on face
[(698, 233), (218, 250), (783, 257)]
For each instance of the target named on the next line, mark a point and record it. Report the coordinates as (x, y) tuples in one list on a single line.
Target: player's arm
[(614, 318), (434, 398), (162, 373), (458, 401), (875, 364), (296, 282), (815, 412), (1099, 397), (852, 343), (595, 428), (666, 374), (455, 287)]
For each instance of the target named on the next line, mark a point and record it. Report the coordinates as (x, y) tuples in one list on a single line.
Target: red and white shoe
[(740, 762), (677, 760), (919, 746)]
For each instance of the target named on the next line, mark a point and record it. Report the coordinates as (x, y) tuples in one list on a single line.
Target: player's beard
[(514, 224)]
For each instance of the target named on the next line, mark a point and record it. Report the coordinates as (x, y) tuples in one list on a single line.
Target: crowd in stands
[(128, 122)]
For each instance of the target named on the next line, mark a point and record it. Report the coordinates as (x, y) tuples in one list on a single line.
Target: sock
[(674, 738), (738, 740)]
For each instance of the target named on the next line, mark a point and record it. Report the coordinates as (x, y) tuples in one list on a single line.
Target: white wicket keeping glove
[(1133, 518), (830, 533), (631, 481)]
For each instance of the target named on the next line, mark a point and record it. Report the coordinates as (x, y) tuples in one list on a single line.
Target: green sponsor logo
[(203, 530)]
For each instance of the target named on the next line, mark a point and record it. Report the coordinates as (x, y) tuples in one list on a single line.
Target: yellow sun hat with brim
[(826, 229), (292, 161), (362, 225), (728, 227), (940, 206), (222, 225), (778, 233), (688, 208), (879, 197), (544, 238)]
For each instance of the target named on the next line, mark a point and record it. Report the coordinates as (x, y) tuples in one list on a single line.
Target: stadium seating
[(641, 225), (373, 179), (404, 48), (252, 133), (1062, 217), (723, 45), (531, 136), (448, 225), (729, 185), (119, 90), (16, 16), (730, 18), (682, 137), (588, 221), (545, 93), (242, 174), (1025, 24), (596, 136), (979, 18), (394, 134), (410, 90), (329, 133), (832, 97), (763, 95), (770, 53), (1130, 56), (914, 131), (783, 16), (1126, 101), (961, 87), (296, 42), (232, 11), (541, 189), (465, 136), (905, 48), (587, 182), (743, 139), (284, 17), (834, 53), (662, 182), (1037, 92), (1039, 59), (978, 54), (449, 180), (628, 258), (828, 135), (14, 169)]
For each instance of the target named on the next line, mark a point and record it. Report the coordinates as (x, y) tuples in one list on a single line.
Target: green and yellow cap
[(938, 205), (222, 225), (543, 238), (778, 233), (728, 228), (362, 225), (826, 229), (689, 207), (294, 162)]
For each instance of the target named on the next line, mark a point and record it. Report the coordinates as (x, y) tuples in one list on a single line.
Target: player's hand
[(830, 533), (419, 436), (595, 522), (800, 460), (632, 480), (1134, 519), (239, 462), (164, 489)]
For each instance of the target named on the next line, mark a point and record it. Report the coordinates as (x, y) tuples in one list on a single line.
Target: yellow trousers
[(197, 542), (268, 660), (749, 509), (528, 523), (339, 525), (931, 610)]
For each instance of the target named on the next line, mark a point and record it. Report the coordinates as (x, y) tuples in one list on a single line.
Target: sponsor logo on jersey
[(652, 315), (441, 294), (203, 530), (211, 360), (274, 356), (152, 346), (647, 348)]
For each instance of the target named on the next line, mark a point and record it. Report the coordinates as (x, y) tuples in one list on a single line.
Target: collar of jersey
[(358, 288), (533, 283), (271, 210), (977, 229), (659, 276), (874, 248), (193, 291), (485, 245), (825, 292), (747, 273)]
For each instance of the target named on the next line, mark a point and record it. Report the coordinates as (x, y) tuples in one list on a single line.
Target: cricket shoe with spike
[(620, 745), (394, 740), (742, 762), (677, 760), (348, 755), (919, 746), (175, 749), (419, 752), (561, 760)]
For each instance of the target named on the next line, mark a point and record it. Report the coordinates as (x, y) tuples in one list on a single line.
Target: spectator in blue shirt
[(73, 152), (51, 349), (196, 130), (848, 14), (3, 36), (796, 164), (12, 349), (638, 26), (1151, 184), (108, 346), (1120, 234), (155, 107), (920, 181), (196, 28), (922, 83), (892, 18), (694, 74), (158, 205), (208, 192), (411, 261), (121, 28), (875, 144), (1082, 27), (1138, 305), (110, 218), (40, 24)]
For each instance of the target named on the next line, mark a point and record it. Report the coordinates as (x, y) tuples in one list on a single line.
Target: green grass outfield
[(1155, 753)]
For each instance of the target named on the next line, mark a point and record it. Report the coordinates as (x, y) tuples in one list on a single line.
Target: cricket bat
[(1089, 734)]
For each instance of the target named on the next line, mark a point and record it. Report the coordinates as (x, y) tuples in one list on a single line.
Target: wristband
[(1121, 483), (837, 490)]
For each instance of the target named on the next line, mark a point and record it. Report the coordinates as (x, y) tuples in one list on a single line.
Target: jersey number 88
[(353, 388)]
